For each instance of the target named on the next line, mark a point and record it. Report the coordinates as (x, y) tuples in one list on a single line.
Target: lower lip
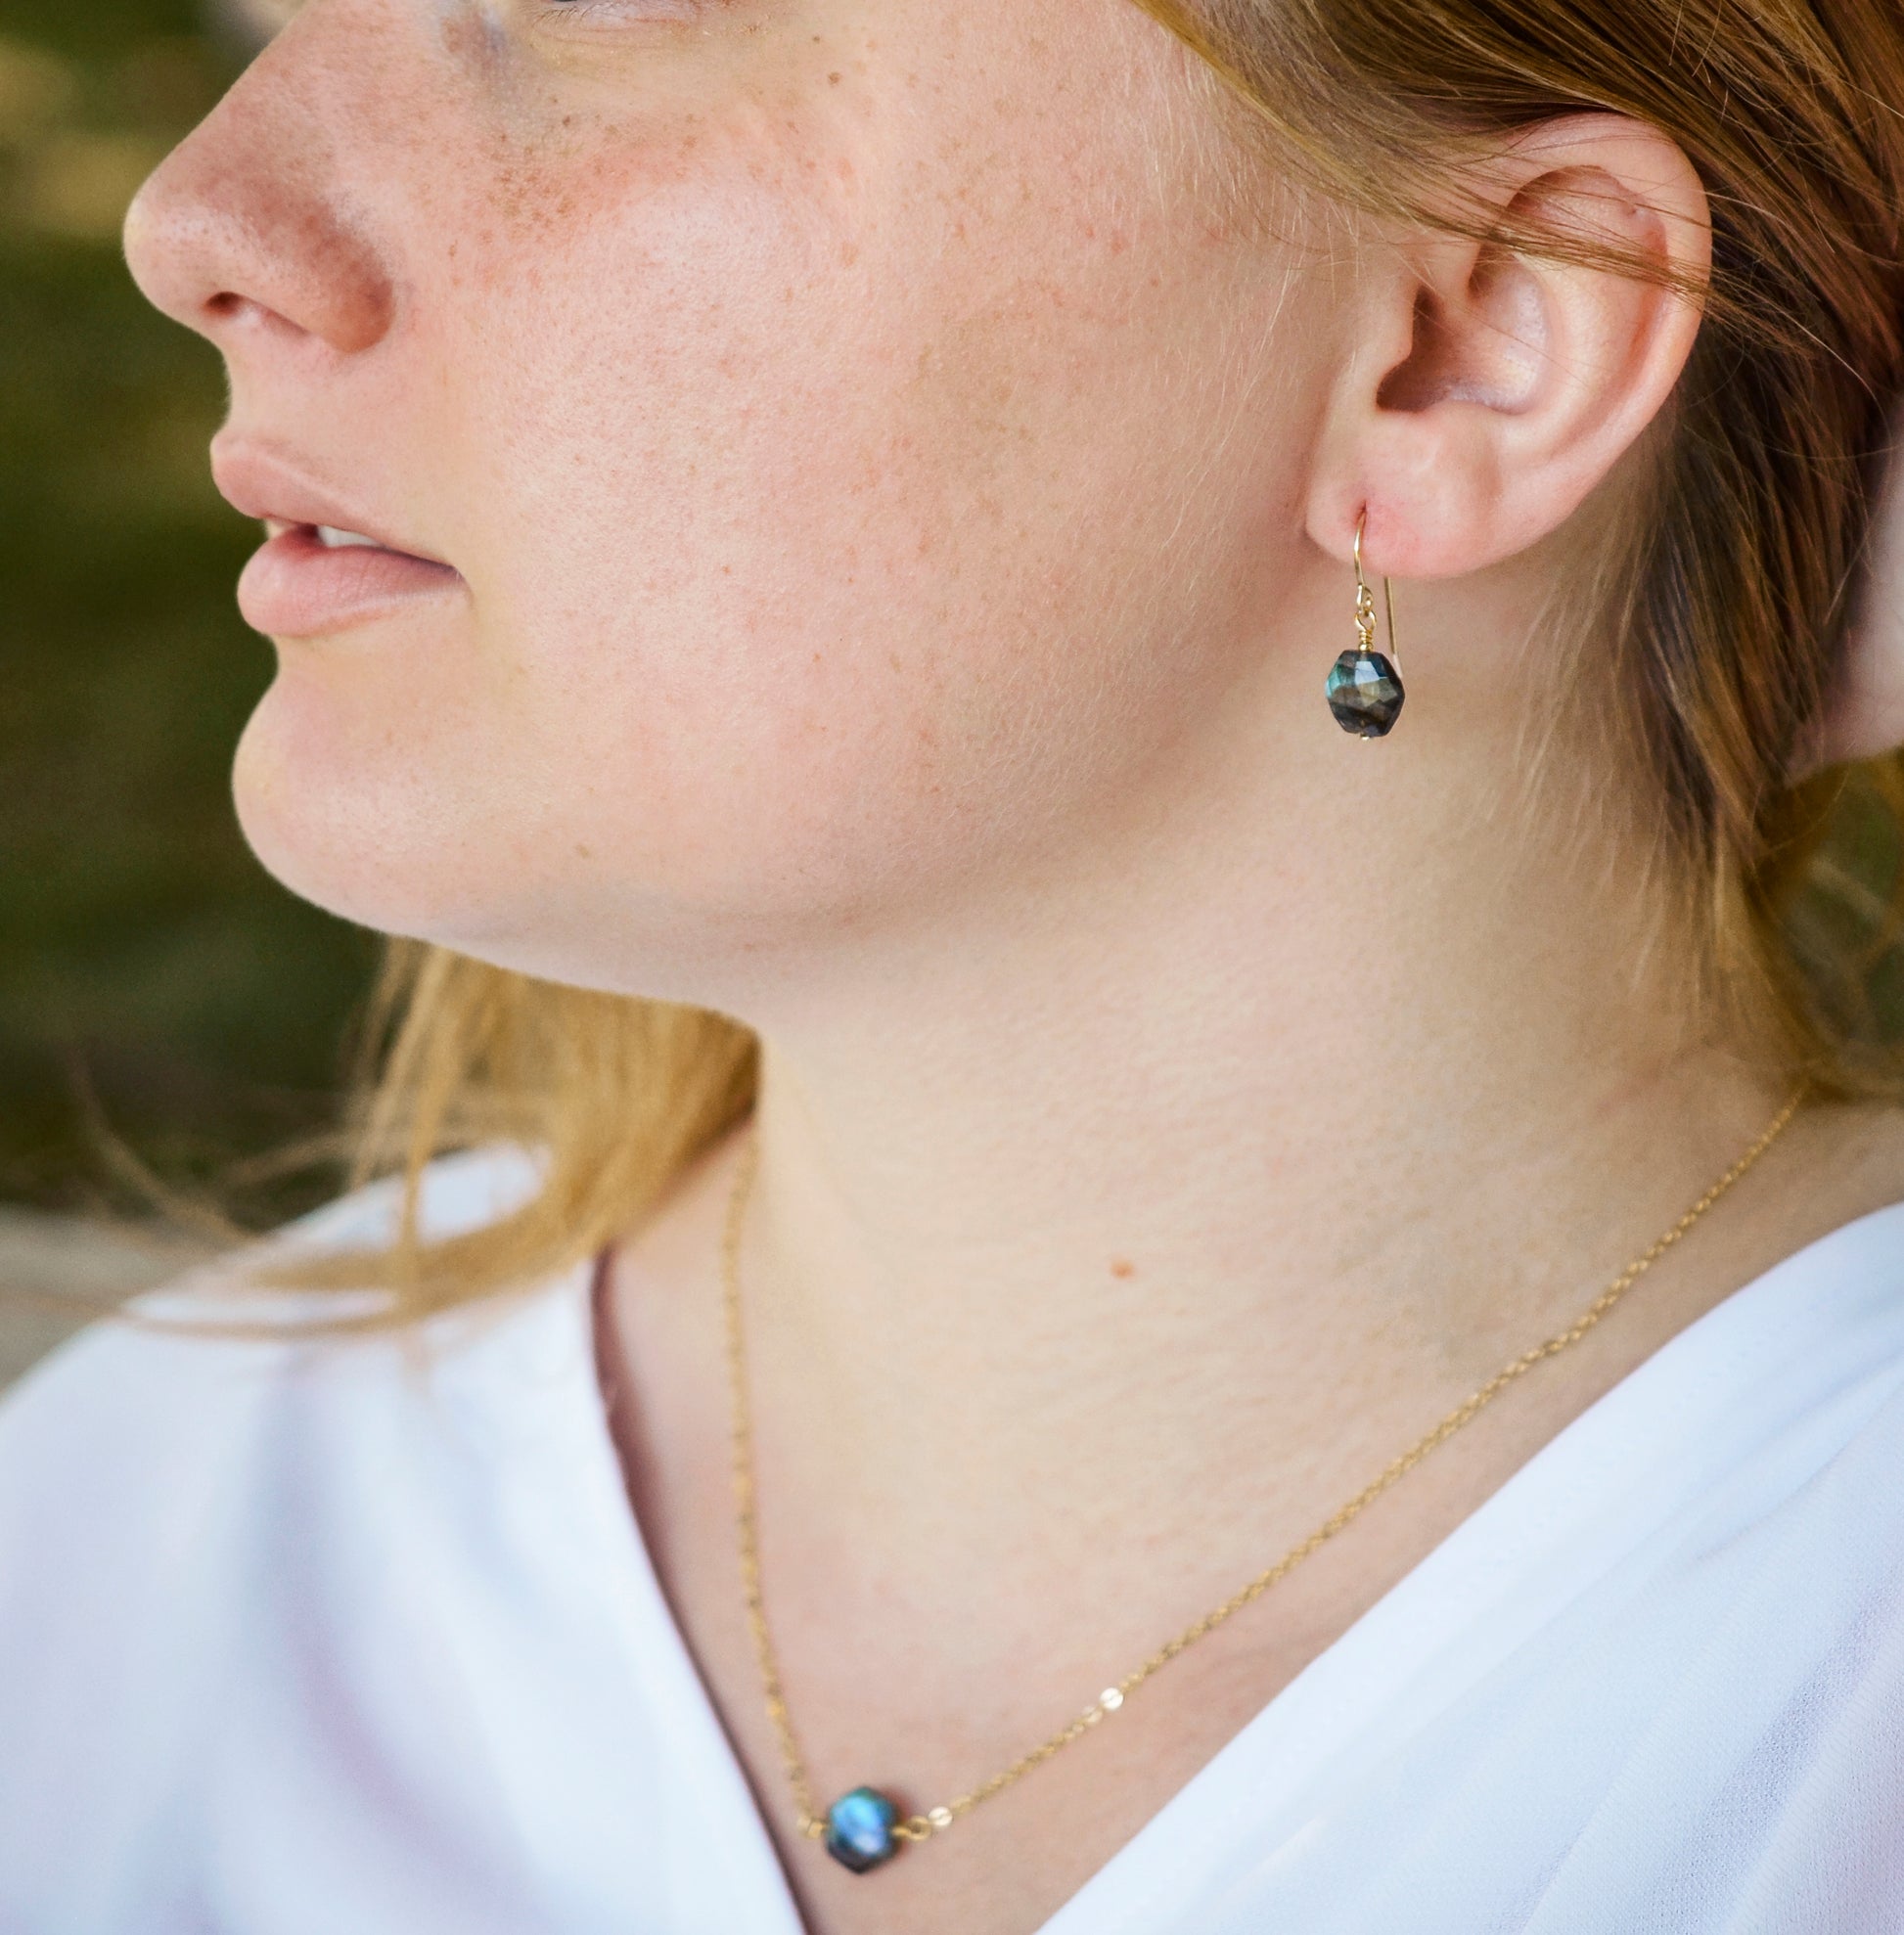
[(298, 587)]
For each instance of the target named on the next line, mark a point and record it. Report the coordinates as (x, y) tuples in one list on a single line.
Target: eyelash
[(571, 10)]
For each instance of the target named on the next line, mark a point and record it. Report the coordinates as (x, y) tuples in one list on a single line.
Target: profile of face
[(843, 453)]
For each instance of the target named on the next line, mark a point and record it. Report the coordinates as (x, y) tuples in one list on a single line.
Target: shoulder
[(145, 1462), (243, 1580)]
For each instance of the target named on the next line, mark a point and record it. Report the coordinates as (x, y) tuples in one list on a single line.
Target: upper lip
[(263, 484)]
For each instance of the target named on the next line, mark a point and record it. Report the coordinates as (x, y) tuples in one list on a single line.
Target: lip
[(295, 586)]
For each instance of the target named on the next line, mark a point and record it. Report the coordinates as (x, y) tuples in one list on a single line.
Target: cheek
[(819, 554), (813, 535)]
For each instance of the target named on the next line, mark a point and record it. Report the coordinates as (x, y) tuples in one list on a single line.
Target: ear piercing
[(1365, 688)]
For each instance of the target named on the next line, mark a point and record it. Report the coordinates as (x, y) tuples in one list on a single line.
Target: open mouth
[(334, 539), (315, 575)]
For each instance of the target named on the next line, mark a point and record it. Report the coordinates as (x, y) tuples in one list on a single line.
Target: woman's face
[(859, 454)]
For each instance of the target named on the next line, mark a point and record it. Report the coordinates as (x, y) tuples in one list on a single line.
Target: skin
[(900, 510)]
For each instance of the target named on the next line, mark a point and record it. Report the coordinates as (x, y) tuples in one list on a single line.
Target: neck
[(1215, 1138)]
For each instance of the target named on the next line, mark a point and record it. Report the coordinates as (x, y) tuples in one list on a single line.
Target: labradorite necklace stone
[(865, 1827), (859, 1829)]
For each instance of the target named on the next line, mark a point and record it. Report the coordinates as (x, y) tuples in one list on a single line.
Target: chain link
[(921, 1827)]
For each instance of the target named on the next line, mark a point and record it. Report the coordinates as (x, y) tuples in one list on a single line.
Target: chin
[(346, 839), (372, 836)]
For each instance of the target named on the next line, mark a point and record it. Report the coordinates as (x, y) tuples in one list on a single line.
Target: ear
[(1488, 391)]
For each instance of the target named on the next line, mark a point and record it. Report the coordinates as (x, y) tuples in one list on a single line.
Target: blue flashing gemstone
[(859, 1829), (1365, 692)]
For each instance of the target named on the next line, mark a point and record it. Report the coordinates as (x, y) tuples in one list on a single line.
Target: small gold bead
[(1110, 1699), (941, 1817)]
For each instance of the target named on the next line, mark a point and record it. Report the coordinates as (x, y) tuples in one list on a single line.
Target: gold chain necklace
[(864, 1827)]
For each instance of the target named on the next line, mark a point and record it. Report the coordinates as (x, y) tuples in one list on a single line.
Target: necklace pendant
[(859, 1829)]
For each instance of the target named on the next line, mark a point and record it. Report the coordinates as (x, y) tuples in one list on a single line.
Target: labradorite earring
[(1365, 688)]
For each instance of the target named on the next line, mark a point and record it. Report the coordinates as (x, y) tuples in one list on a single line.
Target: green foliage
[(144, 954)]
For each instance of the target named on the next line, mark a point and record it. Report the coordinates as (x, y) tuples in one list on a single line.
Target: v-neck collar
[(1645, 1451)]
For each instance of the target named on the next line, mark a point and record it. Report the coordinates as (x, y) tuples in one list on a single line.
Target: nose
[(242, 233)]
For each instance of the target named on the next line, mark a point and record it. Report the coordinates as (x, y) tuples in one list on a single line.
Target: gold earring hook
[(1365, 599)]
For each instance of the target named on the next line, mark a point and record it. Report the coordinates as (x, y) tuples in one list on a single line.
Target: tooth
[(333, 539)]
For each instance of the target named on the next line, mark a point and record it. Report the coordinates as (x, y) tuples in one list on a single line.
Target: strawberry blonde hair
[(1726, 612)]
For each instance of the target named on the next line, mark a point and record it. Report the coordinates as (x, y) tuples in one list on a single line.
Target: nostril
[(221, 314)]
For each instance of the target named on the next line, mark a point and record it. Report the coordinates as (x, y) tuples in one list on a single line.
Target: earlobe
[(1495, 386)]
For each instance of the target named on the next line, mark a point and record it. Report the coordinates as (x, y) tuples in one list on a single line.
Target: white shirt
[(360, 1638)]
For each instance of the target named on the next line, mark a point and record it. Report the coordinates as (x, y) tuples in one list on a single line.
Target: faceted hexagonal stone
[(1365, 692), (859, 1829)]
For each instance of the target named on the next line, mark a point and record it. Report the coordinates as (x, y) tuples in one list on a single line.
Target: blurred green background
[(152, 978)]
